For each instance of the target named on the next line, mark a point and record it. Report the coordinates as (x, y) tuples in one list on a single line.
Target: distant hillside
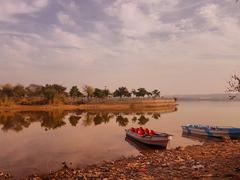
[(206, 97)]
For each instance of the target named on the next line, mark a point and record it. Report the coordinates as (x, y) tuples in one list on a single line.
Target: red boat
[(149, 137)]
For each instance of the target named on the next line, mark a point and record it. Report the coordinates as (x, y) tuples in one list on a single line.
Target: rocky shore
[(214, 160)]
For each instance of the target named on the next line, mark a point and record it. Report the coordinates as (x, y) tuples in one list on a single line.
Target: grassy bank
[(120, 105)]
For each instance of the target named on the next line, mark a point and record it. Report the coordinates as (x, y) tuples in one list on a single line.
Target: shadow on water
[(142, 148), (49, 120), (202, 139)]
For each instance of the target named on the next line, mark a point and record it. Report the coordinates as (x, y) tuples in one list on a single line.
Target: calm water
[(38, 142)]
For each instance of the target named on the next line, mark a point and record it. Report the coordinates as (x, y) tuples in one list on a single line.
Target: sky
[(177, 46)]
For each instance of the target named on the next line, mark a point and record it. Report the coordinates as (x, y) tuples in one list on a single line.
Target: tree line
[(55, 93)]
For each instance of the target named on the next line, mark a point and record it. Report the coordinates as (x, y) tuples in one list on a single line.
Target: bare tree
[(233, 86)]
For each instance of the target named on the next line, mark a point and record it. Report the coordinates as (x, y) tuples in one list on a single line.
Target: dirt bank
[(215, 160)]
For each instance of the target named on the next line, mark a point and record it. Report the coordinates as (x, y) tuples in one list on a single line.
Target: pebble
[(189, 162)]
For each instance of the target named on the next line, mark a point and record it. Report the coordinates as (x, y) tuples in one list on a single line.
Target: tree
[(98, 93), (234, 86), (156, 93), (54, 92), (121, 92), (34, 90), (101, 93), (50, 93), (19, 91), (134, 92), (141, 92), (74, 92), (7, 90), (89, 90), (59, 88), (106, 92)]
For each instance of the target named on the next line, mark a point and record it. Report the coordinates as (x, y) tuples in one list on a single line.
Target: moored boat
[(212, 131), (152, 138)]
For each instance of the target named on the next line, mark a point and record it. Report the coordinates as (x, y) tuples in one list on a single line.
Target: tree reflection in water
[(122, 121), (142, 120), (74, 120), (17, 121)]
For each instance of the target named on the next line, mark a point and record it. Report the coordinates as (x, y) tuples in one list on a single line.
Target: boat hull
[(160, 141), (216, 132)]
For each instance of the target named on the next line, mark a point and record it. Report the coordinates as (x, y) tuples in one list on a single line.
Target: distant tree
[(19, 91), (74, 92), (99, 93), (53, 92), (156, 93), (34, 90), (106, 92), (149, 94), (134, 92), (59, 88), (141, 92), (50, 93), (122, 92), (234, 86), (89, 90), (7, 90)]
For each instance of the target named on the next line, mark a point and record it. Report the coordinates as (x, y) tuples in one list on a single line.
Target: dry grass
[(118, 106)]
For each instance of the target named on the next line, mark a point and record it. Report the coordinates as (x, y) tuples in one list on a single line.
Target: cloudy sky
[(177, 46)]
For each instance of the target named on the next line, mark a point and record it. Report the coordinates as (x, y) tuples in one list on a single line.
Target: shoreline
[(212, 160), (142, 104)]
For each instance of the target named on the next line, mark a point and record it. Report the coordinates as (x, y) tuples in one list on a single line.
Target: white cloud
[(65, 19), (210, 12), (40, 3), (9, 9), (138, 23), (155, 36)]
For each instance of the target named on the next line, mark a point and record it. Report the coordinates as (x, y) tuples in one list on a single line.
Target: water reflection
[(18, 121), (42, 140), (202, 139), (86, 138), (49, 120), (140, 146)]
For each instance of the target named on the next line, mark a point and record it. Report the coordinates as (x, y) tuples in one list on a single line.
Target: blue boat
[(212, 131)]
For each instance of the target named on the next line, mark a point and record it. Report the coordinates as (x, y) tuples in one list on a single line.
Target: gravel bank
[(215, 160)]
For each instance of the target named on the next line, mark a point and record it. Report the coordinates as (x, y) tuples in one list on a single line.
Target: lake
[(38, 142)]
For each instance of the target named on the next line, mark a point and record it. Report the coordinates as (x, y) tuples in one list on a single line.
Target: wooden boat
[(158, 139), (212, 131)]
